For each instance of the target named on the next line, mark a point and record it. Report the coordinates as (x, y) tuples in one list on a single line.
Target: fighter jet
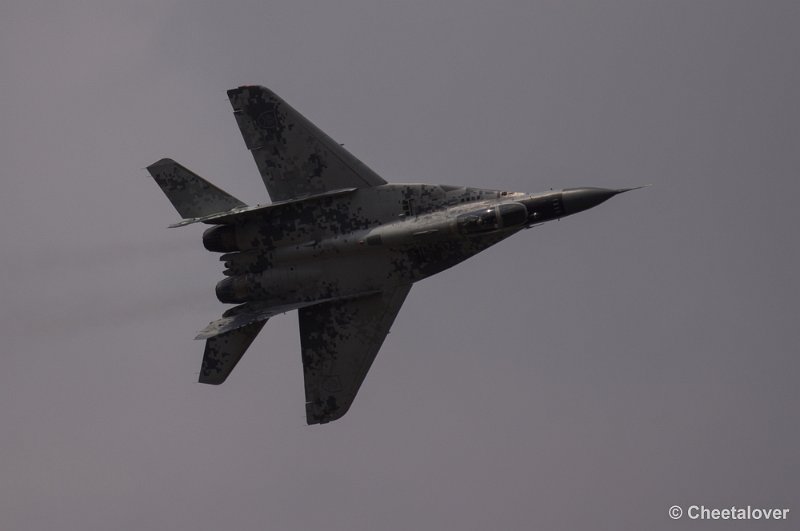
[(337, 243)]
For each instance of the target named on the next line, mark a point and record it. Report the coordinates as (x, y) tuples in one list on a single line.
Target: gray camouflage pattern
[(191, 195), (338, 244), (293, 157)]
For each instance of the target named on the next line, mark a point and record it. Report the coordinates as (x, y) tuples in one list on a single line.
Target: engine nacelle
[(274, 284), (220, 239), (234, 290)]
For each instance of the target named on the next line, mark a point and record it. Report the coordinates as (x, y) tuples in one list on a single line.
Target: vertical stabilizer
[(191, 195)]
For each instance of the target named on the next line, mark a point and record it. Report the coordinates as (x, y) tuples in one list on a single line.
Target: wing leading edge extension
[(294, 157), (340, 340)]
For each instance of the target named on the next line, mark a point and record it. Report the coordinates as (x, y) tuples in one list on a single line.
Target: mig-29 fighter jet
[(338, 244)]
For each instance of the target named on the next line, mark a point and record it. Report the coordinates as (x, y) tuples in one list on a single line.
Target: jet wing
[(294, 157), (339, 342)]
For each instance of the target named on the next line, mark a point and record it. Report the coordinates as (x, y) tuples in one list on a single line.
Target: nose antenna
[(623, 190)]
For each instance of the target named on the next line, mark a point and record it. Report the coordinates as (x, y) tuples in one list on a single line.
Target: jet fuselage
[(338, 244), (393, 234)]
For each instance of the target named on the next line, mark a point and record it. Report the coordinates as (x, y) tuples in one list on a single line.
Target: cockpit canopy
[(492, 218)]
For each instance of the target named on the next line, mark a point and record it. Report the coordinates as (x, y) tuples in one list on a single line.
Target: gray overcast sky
[(584, 375)]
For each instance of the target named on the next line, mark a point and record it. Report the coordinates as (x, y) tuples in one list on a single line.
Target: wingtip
[(161, 162), (319, 413), (211, 381), (242, 88)]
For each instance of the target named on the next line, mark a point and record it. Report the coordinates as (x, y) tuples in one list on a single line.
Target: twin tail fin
[(191, 195)]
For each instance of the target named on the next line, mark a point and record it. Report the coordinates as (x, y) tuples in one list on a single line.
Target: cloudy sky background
[(586, 374)]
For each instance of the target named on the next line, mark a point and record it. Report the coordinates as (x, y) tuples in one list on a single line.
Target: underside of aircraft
[(337, 243)]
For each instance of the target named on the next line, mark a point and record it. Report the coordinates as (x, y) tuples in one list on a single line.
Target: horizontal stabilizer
[(229, 324), (243, 315), (251, 312), (191, 195), (224, 351), (245, 213), (227, 338)]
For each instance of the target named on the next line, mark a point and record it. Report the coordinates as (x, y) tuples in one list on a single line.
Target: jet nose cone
[(580, 199)]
